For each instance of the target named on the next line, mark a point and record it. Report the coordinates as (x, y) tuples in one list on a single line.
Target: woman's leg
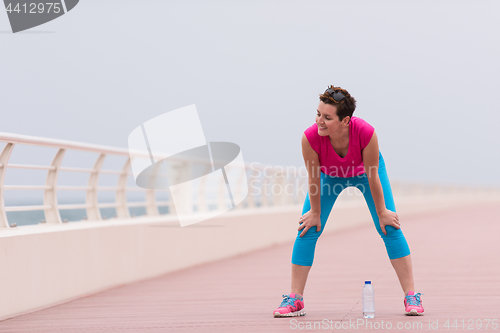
[(299, 278), (395, 242), (404, 271), (304, 247)]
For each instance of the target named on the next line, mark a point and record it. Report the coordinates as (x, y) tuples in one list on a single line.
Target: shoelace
[(287, 301), (413, 299)]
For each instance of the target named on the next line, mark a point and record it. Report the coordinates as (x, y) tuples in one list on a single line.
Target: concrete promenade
[(455, 260)]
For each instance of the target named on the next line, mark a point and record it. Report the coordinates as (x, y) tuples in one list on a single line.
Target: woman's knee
[(310, 234), (303, 251), (392, 233)]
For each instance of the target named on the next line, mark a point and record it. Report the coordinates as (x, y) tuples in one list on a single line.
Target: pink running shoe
[(291, 306), (413, 304)]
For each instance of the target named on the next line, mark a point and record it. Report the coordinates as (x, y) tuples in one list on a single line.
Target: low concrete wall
[(46, 265)]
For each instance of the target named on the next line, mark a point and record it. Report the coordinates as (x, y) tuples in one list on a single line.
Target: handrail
[(61, 144)]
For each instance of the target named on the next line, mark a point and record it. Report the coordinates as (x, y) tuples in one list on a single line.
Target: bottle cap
[(368, 282)]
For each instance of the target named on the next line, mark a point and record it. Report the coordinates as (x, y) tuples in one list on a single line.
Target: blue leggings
[(395, 242)]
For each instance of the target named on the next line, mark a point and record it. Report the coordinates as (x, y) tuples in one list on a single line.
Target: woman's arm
[(370, 161), (311, 159)]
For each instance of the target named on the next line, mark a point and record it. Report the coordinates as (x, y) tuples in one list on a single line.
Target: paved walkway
[(456, 265)]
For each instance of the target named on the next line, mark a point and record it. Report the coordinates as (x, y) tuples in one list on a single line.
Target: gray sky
[(425, 74)]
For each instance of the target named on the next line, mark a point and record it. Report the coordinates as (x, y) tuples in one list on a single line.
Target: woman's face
[(327, 120)]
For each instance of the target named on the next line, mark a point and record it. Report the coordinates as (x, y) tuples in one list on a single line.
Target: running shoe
[(413, 304), (291, 306)]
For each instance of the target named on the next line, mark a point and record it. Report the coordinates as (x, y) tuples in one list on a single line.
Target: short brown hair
[(345, 107)]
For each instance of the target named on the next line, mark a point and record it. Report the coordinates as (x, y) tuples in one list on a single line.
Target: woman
[(340, 151)]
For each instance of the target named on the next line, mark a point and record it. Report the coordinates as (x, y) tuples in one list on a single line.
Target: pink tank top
[(360, 134)]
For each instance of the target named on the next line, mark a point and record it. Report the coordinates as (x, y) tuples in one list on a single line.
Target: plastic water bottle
[(368, 300)]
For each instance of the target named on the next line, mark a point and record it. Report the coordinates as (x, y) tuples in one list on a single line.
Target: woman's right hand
[(309, 220)]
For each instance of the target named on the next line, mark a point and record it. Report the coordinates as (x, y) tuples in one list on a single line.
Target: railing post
[(288, 181), (303, 188), (151, 206), (264, 201), (251, 202), (50, 195), (221, 194), (4, 159), (287, 198), (93, 211), (268, 190), (239, 188), (278, 185), (178, 170), (122, 211)]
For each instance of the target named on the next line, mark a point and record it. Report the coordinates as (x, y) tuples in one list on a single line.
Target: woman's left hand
[(386, 218)]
